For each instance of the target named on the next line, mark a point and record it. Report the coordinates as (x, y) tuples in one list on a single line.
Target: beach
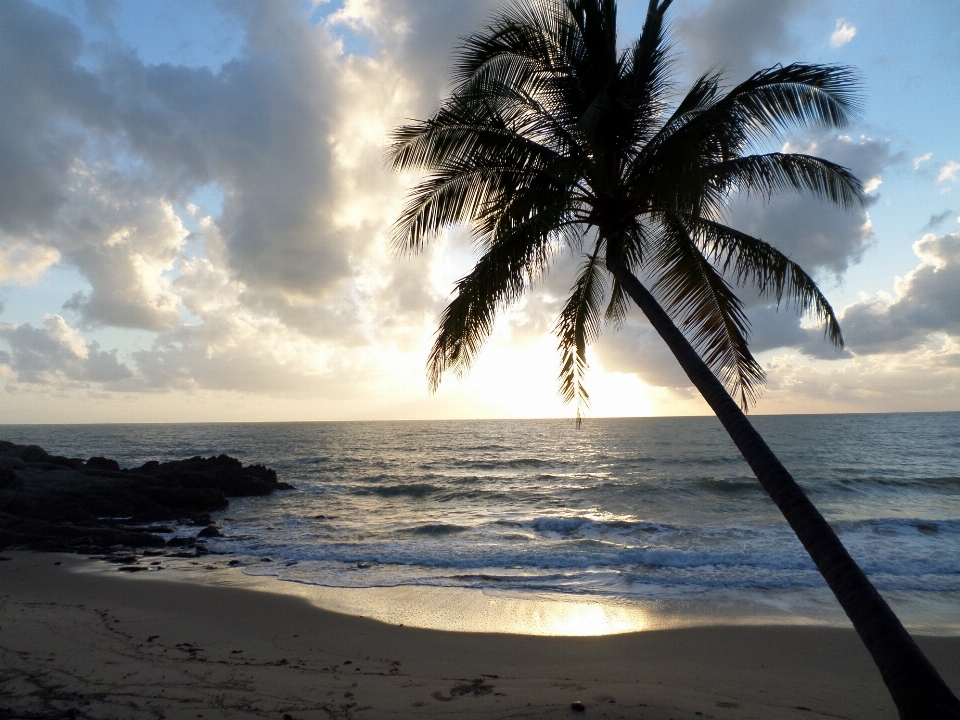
[(78, 633), (642, 510)]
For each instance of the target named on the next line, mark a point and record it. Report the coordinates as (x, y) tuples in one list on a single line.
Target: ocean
[(659, 513)]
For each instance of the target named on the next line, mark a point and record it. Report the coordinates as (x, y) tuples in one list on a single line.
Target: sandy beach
[(77, 634)]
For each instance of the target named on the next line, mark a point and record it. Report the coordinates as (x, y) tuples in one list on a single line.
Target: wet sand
[(83, 635)]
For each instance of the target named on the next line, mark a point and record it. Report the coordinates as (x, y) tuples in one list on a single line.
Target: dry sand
[(81, 635)]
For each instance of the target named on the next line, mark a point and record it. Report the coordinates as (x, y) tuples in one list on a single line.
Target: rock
[(181, 542), (223, 473), (50, 502), (578, 706), (209, 531), (102, 463), (10, 479), (167, 529), (27, 453)]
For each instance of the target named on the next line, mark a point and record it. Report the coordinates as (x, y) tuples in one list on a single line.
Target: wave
[(727, 486), (417, 490), (437, 529), (584, 525), (900, 526), (522, 462)]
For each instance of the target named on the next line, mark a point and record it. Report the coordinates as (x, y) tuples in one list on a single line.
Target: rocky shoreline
[(55, 503)]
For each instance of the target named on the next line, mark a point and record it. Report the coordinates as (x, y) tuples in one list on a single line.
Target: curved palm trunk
[(917, 689)]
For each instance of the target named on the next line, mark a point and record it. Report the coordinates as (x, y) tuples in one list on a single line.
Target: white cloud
[(948, 172), (67, 337), (125, 241), (23, 262), (843, 33), (924, 379), (921, 159), (927, 303)]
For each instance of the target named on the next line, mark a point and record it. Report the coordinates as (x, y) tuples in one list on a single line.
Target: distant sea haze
[(651, 510)]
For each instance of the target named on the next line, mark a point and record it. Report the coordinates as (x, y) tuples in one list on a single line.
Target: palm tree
[(553, 138)]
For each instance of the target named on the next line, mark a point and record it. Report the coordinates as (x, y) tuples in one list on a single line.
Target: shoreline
[(463, 609), (154, 646), (456, 608)]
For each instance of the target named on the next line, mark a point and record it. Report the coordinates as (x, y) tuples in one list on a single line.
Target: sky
[(195, 216)]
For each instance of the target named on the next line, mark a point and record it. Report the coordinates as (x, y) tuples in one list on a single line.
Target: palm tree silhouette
[(553, 138)]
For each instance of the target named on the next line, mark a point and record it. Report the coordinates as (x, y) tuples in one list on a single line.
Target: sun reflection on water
[(463, 610)]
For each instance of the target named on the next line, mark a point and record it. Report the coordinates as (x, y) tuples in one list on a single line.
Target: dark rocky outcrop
[(50, 502)]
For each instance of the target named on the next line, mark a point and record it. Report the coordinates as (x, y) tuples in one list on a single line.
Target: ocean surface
[(655, 511)]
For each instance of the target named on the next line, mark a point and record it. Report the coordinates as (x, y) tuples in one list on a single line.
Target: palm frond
[(519, 255), (646, 70), (551, 135), (705, 307), (749, 260), (579, 325), (709, 128), (774, 173), (628, 248), (533, 30), (797, 96)]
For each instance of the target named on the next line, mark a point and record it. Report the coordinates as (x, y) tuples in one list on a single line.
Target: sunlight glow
[(468, 610)]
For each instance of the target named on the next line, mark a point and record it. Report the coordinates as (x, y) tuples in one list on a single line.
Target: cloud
[(948, 172), (285, 284), (927, 303), (741, 36), (921, 159), (924, 379), (56, 354), (774, 328), (637, 349), (936, 220), (843, 33), (100, 160), (22, 262), (820, 237), (124, 241), (45, 92)]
